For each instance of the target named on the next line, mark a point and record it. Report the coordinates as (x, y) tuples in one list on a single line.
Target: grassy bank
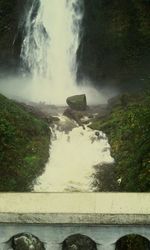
[(128, 130), (24, 147)]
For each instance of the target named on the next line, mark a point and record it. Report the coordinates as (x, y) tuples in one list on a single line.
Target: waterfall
[(49, 53), (52, 37)]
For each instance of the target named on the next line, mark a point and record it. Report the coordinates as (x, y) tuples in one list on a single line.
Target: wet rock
[(27, 241), (77, 102), (85, 119), (69, 113), (55, 119), (97, 133), (91, 116), (66, 124), (73, 115)]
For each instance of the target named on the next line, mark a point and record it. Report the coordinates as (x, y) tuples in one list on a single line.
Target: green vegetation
[(104, 178), (128, 131), (24, 147)]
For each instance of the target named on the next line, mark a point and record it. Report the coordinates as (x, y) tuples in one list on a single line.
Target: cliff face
[(115, 42), (10, 35)]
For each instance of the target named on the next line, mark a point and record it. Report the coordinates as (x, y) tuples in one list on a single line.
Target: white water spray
[(73, 156), (49, 51), (50, 46)]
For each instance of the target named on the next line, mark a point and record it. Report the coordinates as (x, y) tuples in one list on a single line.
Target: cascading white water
[(72, 158), (49, 51), (50, 46)]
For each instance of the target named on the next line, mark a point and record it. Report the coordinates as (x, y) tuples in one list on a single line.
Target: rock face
[(11, 13), (114, 47), (77, 102)]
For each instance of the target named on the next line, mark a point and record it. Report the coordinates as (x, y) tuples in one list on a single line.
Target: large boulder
[(77, 102)]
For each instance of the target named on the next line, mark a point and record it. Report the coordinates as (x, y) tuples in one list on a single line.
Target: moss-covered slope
[(128, 130), (24, 146)]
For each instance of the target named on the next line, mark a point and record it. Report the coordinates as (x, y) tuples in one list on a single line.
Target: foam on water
[(72, 157)]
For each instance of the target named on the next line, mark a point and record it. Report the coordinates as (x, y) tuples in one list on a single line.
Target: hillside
[(128, 129), (24, 147)]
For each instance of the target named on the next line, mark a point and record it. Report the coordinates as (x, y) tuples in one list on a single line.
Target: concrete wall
[(104, 217)]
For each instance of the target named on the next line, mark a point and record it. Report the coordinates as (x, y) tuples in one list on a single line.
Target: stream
[(74, 151)]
